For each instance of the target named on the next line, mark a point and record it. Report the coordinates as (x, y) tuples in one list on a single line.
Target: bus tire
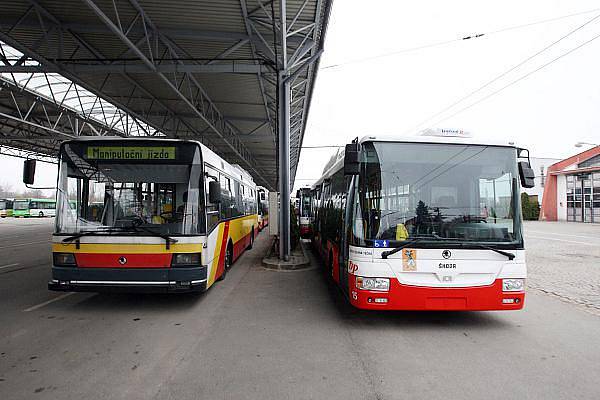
[(41, 214), (251, 239), (229, 256)]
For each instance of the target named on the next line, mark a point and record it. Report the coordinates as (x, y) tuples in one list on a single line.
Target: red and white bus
[(304, 212), (148, 215), (426, 223)]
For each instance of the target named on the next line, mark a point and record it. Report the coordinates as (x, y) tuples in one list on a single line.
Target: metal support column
[(284, 140), (284, 169)]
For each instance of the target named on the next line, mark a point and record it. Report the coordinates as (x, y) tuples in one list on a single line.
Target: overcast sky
[(547, 112)]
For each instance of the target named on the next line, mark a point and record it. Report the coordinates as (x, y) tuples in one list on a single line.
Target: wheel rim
[(228, 259)]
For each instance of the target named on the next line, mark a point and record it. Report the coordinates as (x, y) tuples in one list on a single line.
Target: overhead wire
[(460, 39), (503, 74), (520, 78)]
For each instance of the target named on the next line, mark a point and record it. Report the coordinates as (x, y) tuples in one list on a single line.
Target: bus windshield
[(21, 205), (466, 193), (99, 191), (2, 204)]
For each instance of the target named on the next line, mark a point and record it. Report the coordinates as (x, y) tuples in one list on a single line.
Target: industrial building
[(572, 189)]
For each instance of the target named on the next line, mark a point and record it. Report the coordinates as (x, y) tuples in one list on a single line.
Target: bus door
[(212, 218), (346, 232)]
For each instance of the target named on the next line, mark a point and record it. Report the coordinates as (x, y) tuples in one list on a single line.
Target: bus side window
[(226, 197), (212, 210)]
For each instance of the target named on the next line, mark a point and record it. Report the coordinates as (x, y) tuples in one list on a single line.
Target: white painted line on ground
[(24, 244), (561, 240), (564, 234), (45, 303), (9, 265)]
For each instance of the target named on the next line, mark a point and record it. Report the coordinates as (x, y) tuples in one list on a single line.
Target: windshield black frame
[(183, 194), (459, 163)]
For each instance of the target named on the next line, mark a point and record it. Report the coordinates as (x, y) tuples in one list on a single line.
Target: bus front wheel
[(41, 215), (251, 239)]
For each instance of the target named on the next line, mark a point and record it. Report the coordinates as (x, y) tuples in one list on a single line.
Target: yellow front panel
[(215, 262), (108, 248)]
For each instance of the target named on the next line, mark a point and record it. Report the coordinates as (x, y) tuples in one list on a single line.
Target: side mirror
[(28, 171), (214, 192), (526, 174), (351, 159)]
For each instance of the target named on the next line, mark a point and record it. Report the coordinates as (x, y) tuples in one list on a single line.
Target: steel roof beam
[(261, 78), (89, 48), (222, 68), (207, 111)]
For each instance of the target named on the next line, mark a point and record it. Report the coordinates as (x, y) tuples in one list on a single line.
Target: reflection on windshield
[(409, 190), (21, 205), (128, 197)]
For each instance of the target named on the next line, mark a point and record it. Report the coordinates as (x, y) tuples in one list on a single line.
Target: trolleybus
[(6, 208), (34, 208), (263, 207), (426, 223), (304, 212), (147, 215)]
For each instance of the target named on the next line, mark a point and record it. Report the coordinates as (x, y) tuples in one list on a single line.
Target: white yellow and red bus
[(424, 223), (148, 215), (6, 208), (263, 207), (304, 212)]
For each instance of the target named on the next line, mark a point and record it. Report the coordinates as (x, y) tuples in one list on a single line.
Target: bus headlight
[(186, 260), (513, 285), (64, 259), (379, 284)]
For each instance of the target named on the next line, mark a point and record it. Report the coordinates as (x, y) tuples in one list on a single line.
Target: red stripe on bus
[(224, 238), (115, 260)]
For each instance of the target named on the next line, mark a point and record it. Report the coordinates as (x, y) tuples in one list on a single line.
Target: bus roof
[(436, 139), (208, 155), (337, 160)]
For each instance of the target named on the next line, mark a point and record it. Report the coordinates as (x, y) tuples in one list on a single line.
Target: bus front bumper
[(150, 280), (405, 297)]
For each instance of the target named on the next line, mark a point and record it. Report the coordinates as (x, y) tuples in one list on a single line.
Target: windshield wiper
[(413, 240), (168, 239), (388, 253), (89, 233), (507, 254)]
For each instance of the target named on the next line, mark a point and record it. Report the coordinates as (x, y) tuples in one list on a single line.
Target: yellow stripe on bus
[(215, 263), (130, 248)]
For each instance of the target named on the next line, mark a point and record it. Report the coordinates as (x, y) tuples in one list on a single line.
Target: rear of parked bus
[(435, 226), (305, 213), (263, 208)]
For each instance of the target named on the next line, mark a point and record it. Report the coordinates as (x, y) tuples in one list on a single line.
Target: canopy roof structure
[(208, 70)]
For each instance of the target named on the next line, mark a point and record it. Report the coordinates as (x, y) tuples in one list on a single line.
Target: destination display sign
[(130, 153)]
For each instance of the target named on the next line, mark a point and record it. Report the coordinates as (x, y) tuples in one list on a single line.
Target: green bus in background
[(6, 208), (34, 208)]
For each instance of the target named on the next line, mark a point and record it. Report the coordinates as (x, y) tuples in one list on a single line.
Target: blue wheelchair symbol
[(381, 243)]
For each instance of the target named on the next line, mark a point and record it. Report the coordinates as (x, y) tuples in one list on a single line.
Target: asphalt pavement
[(261, 334)]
